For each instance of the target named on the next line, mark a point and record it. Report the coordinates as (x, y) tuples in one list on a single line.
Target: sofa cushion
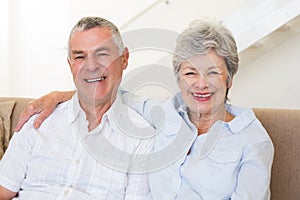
[(283, 127), (6, 109)]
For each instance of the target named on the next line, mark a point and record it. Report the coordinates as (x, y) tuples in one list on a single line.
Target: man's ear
[(69, 63), (125, 58), (68, 59)]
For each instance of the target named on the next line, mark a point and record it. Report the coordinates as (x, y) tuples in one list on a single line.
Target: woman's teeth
[(202, 95)]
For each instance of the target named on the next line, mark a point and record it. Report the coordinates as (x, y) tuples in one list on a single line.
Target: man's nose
[(92, 64)]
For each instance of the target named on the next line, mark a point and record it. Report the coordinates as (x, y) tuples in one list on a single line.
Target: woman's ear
[(229, 81)]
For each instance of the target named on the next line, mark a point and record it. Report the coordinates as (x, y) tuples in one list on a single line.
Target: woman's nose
[(200, 81)]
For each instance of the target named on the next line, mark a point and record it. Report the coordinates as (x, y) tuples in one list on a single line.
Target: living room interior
[(33, 59)]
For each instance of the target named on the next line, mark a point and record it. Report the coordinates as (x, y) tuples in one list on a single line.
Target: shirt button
[(77, 161), (66, 192)]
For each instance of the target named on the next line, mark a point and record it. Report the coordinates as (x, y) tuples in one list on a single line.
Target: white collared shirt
[(62, 160)]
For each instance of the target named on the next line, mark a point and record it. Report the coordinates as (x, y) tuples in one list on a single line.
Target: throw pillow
[(1, 138), (6, 108)]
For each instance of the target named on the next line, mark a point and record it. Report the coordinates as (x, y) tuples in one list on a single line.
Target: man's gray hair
[(87, 23)]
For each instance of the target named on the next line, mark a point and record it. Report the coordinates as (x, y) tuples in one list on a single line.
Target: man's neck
[(95, 111)]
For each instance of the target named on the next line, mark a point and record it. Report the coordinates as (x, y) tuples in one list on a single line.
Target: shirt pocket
[(214, 175), (223, 157), (222, 167)]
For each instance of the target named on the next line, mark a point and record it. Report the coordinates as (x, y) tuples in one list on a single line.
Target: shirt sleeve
[(13, 165), (255, 172), (141, 105)]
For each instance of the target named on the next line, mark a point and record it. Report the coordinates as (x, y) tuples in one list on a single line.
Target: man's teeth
[(202, 95), (94, 80)]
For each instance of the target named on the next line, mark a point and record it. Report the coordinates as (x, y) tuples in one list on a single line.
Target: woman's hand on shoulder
[(42, 106)]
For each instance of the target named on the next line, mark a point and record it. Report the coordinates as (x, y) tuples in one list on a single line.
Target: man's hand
[(43, 106)]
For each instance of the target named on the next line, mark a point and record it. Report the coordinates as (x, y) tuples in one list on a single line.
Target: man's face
[(96, 64)]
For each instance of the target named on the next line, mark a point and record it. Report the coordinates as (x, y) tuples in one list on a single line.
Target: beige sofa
[(282, 125)]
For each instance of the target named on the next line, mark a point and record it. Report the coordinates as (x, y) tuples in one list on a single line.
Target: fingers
[(30, 110), (42, 116), (43, 106)]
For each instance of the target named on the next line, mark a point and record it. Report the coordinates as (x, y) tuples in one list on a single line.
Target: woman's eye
[(213, 73), (189, 73)]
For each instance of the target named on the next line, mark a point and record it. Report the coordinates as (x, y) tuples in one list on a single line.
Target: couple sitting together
[(101, 142)]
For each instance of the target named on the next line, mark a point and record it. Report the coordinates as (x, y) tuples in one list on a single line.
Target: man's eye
[(78, 57), (101, 54)]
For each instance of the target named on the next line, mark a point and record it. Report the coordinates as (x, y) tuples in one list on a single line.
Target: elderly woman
[(216, 150)]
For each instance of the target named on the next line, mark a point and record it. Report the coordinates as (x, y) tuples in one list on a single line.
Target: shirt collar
[(243, 117), (176, 112), (116, 109), (179, 103), (74, 109)]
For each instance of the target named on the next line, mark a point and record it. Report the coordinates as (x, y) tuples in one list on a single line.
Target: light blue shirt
[(64, 160), (232, 161)]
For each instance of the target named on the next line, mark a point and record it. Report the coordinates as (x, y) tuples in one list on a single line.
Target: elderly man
[(55, 161)]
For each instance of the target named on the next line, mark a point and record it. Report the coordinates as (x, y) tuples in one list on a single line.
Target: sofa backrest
[(283, 126), (19, 106)]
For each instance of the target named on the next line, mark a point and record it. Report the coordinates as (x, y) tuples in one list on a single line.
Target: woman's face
[(202, 81)]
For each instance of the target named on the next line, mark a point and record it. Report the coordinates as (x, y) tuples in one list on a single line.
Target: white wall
[(273, 80), (5, 70), (35, 44), (34, 36), (42, 63)]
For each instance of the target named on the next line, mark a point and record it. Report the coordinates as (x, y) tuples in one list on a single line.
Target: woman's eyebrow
[(214, 67), (190, 67)]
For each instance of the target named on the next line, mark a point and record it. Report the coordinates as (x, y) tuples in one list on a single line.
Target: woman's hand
[(42, 106)]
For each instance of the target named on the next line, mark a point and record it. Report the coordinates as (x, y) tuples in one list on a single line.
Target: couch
[(10, 109), (283, 126)]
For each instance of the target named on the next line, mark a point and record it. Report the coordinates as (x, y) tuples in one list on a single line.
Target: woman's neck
[(203, 121)]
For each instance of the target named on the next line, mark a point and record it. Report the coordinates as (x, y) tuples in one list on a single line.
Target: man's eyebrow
[(76, 51), (104, 48)]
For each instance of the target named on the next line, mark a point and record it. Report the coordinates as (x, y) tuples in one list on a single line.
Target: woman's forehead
[(206, 60)]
